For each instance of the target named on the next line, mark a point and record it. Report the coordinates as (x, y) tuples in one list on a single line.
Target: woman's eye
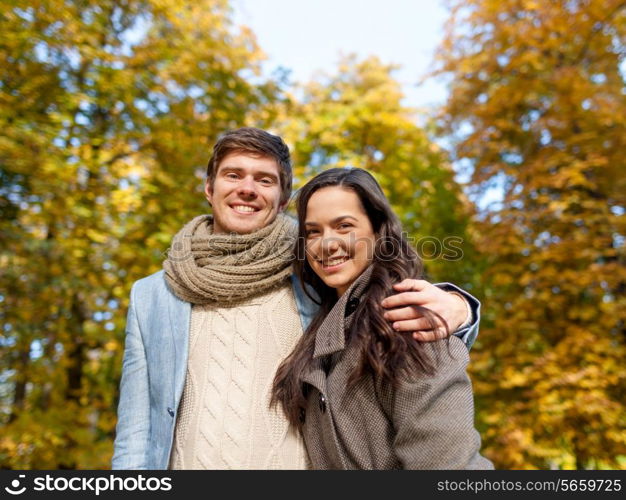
[(344, 225), (311, 232)]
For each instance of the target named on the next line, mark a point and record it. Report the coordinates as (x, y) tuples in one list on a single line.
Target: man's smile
[(244, 209)]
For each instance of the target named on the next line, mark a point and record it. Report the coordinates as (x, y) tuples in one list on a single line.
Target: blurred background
[(512, 143)]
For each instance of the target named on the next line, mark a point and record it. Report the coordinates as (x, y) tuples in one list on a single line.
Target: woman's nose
[(330, 244)]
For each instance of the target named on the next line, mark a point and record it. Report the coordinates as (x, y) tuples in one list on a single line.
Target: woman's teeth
[(334, 262)]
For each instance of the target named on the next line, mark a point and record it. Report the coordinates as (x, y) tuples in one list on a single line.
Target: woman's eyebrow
[(341, 217), (333, 221)]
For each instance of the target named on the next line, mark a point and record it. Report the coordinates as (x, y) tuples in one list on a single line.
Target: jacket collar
[(330, 336)]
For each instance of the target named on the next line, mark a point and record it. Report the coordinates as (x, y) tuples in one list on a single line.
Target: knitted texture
[(204, 268), (224, 419)]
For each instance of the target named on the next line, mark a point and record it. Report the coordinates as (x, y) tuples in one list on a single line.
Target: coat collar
[(330, 336), (179, 313)]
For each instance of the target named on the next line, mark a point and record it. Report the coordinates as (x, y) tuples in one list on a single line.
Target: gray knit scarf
[(203, 268)]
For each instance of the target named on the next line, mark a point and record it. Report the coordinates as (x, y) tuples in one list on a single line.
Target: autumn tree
[(538, 108), (107, 109), (356, 117)]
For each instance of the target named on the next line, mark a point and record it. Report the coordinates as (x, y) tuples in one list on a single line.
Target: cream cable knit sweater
[(224, 421)]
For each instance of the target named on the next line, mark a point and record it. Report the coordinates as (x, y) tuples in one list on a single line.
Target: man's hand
[(406, 318)]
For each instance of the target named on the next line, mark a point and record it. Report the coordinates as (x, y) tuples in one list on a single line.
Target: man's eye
[(232, 175), (267, 181)]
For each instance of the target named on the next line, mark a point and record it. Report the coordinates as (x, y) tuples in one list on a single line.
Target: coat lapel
[(331, 335), (179, 313), (316, 376)]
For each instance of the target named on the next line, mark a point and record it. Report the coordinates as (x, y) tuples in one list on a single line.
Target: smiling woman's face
[(339, 237)]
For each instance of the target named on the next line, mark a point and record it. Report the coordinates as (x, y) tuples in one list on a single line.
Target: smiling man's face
[(245, 194)]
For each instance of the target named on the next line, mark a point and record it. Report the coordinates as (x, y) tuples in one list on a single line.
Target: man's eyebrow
[(333, 221), (260, 173), (268, 174)]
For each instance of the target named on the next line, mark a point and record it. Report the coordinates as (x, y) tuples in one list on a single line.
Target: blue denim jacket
[(155, 365)]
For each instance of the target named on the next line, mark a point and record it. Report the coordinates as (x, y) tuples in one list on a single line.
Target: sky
[(306, 36)]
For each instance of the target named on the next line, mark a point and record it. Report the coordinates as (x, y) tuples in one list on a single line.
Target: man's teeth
[(244, 208)]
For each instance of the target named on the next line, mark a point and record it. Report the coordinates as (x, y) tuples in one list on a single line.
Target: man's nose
[(247, 188)]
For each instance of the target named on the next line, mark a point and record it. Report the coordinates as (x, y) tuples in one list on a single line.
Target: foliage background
[(108, 111)]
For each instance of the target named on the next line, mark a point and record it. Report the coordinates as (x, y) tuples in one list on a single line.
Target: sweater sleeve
[(468, 331)]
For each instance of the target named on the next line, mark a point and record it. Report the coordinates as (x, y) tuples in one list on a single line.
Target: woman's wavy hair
[(385, 353)]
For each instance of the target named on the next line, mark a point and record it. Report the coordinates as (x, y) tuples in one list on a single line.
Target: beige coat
[(426, 423)]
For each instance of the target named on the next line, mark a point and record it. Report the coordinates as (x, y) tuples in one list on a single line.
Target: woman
[(364, 396)]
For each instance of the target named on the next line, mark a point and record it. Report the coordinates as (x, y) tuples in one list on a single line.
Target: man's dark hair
[(253, 141)]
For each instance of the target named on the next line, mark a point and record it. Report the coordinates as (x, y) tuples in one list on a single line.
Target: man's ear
[(282, 206), (208, 191)]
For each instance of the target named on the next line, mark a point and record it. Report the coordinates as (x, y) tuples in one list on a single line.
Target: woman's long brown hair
[(385, 353)]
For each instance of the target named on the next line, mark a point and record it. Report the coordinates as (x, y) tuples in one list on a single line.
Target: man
[(205, 336)]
